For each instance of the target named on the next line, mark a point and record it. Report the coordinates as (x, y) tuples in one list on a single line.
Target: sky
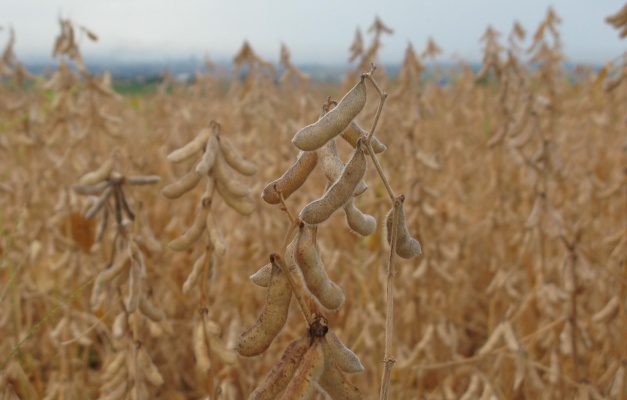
[(315, 31)]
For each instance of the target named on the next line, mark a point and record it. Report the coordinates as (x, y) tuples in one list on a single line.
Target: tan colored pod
[(333, 166), (215, 235), (211, 327), (359, 222), (102, 173), (354, 132), (608, 312), (190, 148), (194, 276), (149, 310), (308, 258), (406, 246), (223, 175), (99, 203), (193, 233), (114, 366), (120, 325), (262, 277), (243, 205), (292, 179), (342, 356), (233, 158), (208, 157), (333, 381), (303, 384), (122, 260), (258, 338), (225, 355), (96, 189), (143, 180), (334, 122), (339, 193), (182, 186), (134, 288), (149, 368), (281, 374), (201, 349)]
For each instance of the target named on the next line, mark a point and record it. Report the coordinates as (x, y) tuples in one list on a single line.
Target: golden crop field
[(188, 243)]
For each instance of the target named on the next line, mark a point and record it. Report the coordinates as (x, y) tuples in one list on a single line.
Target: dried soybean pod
[(258, 338), (406, 246), (91, 189), (223, 175), (334, 122), (303, 384), (292, 179), (143, 180), (134, 288), (339, 193), (353, 132), (225, 355), (190, 148), (182, 186), (194, 232), (243, 205), (216, 238), (102, 173), (233, 158), (262, 277), (308, 259), (114, 366), (212, 327), (122, 260), (208, 157), (120, 325), (333, 166), (344, 358), (608, 312), (201, 349), (194, 276), (150, 370), (281, 374), (335, 384), (149, 310), (359, 222), (102, 200)]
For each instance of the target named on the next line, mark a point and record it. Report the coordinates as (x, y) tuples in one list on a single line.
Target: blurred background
[(144, 37)]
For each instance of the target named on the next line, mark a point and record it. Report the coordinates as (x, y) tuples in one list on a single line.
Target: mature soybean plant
[(318, 360)]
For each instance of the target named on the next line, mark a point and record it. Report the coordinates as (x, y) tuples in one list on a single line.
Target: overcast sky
[(318, 31)]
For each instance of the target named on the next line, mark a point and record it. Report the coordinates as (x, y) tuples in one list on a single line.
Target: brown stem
[(287, 210), (383, 96), (377, 166), (388, 361)]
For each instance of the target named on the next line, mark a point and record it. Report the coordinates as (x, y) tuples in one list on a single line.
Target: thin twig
[(388, 361), (383, 95)]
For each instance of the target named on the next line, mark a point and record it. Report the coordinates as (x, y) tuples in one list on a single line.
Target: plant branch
[(388, 361)]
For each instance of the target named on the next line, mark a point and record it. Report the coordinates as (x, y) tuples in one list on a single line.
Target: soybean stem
[(388, 361)]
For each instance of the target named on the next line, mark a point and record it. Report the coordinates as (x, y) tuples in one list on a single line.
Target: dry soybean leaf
[(83, 231)]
